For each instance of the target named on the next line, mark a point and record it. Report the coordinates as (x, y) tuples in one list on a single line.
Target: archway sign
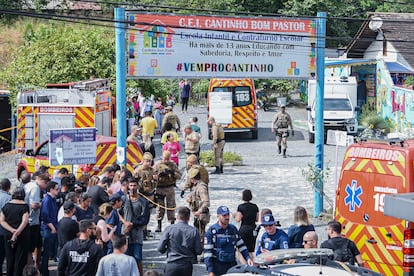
[(201, 46)]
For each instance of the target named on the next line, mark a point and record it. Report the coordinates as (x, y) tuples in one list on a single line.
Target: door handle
[(372, 241)]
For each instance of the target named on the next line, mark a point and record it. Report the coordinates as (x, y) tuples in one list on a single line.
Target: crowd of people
[(97, 224)]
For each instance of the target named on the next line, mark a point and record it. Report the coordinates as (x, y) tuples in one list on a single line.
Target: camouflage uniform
[(199, 201), (173, 119), (203, 177), (218, 143), (168, 173), (281, 122), (146, 181)]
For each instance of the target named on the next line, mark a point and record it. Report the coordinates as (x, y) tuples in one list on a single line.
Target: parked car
[(299, 261)]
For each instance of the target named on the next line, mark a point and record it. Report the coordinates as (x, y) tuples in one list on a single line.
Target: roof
[(397, 28), (353, 62), (395, 67)]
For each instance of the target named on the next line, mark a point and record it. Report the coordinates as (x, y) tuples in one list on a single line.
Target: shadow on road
[(264, 134)]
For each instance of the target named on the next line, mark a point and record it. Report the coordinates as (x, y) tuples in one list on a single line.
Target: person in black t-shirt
[(98, 194), (344, 249), (248, 214), (14, 218), (68, 229), (83, 210)]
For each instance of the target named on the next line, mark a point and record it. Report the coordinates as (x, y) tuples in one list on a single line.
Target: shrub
[(207, 157)]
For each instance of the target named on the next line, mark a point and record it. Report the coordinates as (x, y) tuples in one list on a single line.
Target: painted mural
[(394, 103)]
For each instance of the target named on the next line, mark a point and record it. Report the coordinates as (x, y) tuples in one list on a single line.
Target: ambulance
[(68, 105), (105, 156), (232, 102), (370, 171)]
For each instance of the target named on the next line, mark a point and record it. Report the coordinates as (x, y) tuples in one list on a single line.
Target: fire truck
[(69, 105), (374, 172)]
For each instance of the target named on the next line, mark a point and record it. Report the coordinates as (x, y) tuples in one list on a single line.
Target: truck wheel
[(311, 138), (254, 134)]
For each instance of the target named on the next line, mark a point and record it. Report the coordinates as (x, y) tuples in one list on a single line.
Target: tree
[(58, 53)]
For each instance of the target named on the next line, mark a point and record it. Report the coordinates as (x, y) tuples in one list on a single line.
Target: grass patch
[(207, 158)]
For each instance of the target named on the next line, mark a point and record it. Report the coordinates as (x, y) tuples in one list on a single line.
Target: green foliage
[(58, 53), (316, 177), (375, 126), (207, 157), (409, 81)]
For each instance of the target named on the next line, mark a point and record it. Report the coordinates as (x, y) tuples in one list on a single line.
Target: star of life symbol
[(353, 193)]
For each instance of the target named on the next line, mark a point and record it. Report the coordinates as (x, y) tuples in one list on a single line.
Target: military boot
[(284, 153), (217, 171), (280, 149), (221, 168), (159, 227)]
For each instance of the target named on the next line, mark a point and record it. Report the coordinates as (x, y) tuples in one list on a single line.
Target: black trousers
[(184, 104), (179, 268)]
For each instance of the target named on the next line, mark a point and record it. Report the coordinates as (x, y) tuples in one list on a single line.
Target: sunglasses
[(305, 242), (266, 226)]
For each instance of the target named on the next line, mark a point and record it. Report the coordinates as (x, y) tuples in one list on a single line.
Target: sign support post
[(120, 84), (319, 130)]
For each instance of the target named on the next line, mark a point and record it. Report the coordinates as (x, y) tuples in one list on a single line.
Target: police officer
[(199, 201), (172, 118), (273, 238), (166, 174), (281, 122), (192, 163), (218, 143), (145, 175), (220, 244)]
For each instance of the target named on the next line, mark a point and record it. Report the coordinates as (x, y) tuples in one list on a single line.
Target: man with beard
[(135, 214), (220, 244), (80, 257)]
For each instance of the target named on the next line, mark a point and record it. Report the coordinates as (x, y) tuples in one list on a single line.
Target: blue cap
[(268, 219), (223, 210)]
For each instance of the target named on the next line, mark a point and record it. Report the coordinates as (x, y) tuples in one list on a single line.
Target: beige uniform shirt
[(173, 119)]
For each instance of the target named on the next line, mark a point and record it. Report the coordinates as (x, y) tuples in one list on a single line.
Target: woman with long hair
[(299, 228), (147, 146)]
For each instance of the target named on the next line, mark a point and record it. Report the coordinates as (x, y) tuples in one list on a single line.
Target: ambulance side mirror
[(357, 108), (30, 152), (308, 108)]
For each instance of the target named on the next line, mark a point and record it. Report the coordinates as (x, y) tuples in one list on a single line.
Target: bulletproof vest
[(282, 120), (224, 245), (166, 175), (145, 178)]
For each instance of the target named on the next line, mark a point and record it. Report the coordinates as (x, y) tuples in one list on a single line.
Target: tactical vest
[(145, 177), (166, 175), (282, 120), (224, 243)]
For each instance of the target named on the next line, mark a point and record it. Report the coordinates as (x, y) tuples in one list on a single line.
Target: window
[(337, 104), (43, 150), (242, 96)]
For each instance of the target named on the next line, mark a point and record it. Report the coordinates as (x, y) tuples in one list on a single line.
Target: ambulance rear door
[(363, 184)]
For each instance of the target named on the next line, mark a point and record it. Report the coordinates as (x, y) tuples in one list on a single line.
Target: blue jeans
[(135, 250), (49, 250)]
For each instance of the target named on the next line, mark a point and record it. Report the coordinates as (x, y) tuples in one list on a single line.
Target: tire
[(265, 107), (311, 138), (254, 134)]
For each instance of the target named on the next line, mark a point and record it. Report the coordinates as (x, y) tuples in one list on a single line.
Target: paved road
[(276, 182)]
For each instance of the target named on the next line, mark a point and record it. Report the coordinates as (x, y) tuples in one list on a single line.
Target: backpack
[(344, 254)]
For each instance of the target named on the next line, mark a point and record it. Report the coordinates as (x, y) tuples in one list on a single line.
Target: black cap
[(68, 206)]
